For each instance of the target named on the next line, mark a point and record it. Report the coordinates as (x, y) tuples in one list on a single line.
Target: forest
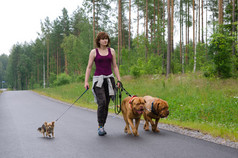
[(150, 37)]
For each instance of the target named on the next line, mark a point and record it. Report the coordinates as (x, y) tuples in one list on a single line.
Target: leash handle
[(71, 105), (118, 98), (117, 101), (123, 89)]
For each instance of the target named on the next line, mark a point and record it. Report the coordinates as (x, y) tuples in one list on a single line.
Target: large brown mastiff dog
[(132, 109), (155, 109)]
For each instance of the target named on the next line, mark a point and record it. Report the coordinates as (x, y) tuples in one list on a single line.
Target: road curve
[(22, 112)]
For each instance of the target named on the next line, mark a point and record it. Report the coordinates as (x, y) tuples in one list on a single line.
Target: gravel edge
[(199, 135), (192, 133)]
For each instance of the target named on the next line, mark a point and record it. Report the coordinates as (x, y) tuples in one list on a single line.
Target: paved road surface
[(22, 112)]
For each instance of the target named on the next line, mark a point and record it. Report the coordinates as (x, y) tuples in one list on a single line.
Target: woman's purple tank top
[(103, 63)]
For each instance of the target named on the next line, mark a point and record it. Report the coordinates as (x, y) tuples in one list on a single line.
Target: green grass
[(195, 102)]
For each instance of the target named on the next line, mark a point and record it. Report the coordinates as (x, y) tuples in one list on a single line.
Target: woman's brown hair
[(102, 35)]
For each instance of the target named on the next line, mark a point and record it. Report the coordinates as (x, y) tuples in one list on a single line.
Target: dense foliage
[(3, 70), (63, 45)]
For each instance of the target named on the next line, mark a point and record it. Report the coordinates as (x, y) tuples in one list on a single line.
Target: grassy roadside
[(195, 102)]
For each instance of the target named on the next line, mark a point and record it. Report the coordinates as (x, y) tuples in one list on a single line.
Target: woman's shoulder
[(93, 52), (112, 50)]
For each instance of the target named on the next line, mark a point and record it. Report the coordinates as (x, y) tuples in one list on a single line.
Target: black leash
[(71, 105), (117, 101), (123, 89)]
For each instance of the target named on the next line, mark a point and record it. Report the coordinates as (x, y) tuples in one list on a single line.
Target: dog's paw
[(128, 131), (125, 129), (156, 130), (146, 127), (136, 133)]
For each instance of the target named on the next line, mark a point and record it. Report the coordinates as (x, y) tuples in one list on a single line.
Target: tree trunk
[(59, 60), (151, 30), (38, 71), (220, 15), (163, 63), (129, 36), (182, 37), (206, 33), (119, 31), (138, 24), (97, 10), (202, 23), (48, 61), (138, 20), (66, 64), (172, 27), (186, 34), (180, 32), (195, 46), (199, 21), (43, 69), (146, 29), (94, 44), (158, 29), (169, 41), (233, 26), (193, 24), (154, 30)]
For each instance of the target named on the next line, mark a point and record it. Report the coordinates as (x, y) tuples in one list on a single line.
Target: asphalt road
[(22, 112)]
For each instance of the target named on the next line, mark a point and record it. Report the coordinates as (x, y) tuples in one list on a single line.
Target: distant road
[(22, 112)]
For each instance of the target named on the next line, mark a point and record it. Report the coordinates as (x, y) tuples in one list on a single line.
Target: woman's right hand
[(86, 85)]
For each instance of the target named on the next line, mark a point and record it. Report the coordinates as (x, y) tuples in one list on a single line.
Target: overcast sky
[(20, 19)]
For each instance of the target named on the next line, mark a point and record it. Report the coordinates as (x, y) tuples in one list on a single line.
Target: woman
[(103, 79)]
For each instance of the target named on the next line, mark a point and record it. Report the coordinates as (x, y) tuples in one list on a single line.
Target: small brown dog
[(155, 109), (132, 109), (47, 129)]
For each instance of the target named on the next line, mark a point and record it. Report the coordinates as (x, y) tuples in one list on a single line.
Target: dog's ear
[(53, 123), (45, 123), (144, 100), (157, 105)]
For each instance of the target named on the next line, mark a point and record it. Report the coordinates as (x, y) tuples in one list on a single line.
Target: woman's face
[(103, 42)]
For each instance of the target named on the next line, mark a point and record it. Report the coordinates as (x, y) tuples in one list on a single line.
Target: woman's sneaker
[(101, 131)]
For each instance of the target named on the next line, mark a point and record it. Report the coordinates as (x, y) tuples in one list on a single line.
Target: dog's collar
[(130, 101), (152, 109), (132, 98)]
